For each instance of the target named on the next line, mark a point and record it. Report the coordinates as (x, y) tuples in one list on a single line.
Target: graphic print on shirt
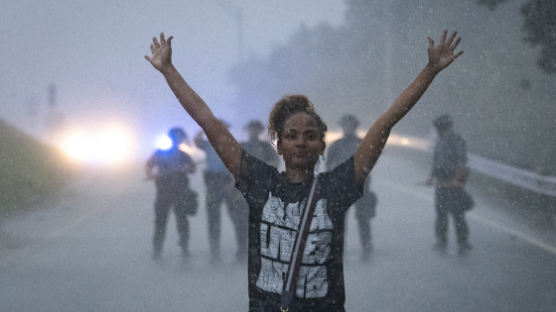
[(279, 225)]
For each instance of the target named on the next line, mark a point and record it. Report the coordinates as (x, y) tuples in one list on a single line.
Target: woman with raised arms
[(276, 199)]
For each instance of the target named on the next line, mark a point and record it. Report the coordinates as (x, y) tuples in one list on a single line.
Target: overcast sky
[(93, 52)]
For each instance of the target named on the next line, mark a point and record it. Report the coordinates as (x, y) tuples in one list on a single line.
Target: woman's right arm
[(220, 138), (370, 148)]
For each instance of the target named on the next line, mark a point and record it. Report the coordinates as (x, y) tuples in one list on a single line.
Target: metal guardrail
[(516, 176)]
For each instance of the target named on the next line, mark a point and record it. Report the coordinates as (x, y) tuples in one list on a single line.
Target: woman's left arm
[(370, 148)]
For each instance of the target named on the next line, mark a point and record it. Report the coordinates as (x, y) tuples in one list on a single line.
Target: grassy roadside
[(32, 172)]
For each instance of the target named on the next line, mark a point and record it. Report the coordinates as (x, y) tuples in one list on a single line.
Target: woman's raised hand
[(162, 53), (442, 55)]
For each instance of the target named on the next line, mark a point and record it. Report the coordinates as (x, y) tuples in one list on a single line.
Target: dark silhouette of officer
[(365, 207), (219, 186), (261, 149), (169, 169), (449, 172)]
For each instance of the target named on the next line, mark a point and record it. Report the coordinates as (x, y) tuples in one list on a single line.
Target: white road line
[(480, 219), (515, 233)]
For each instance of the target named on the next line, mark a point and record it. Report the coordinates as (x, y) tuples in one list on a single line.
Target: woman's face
[(301, 144)]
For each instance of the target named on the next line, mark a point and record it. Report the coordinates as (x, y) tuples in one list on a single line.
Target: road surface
[(92, 252)]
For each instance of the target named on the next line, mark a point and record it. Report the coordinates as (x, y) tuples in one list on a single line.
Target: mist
[(83, 112)]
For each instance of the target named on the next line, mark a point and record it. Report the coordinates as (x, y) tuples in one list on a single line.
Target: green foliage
[(32, 173), (540, 26), (491, 4), (501, 102)]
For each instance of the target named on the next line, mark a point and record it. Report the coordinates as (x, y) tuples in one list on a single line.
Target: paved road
[(92, 253)]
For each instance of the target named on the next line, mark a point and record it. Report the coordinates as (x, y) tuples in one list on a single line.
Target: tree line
[(500, 93)]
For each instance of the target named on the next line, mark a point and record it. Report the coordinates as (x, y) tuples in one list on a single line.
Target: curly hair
[(287, 106)]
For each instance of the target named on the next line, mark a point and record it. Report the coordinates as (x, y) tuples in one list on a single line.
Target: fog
[(90, 50), (92, 252), (82, 111)]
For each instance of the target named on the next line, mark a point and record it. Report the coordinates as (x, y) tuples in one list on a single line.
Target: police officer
[(449, 172), (340, 151), (219, 186), (169, 169), (261, 149)]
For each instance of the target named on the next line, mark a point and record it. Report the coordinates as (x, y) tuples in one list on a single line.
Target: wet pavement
[(92, 252)]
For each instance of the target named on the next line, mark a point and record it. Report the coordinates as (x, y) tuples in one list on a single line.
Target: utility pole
[(54, 118), (239, 19), (52, 97), (388, 49)]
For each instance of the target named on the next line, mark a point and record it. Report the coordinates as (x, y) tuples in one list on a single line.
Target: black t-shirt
[(274, 214)]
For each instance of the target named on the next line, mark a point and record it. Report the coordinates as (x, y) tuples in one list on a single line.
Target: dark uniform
[(449, 171), (365, 207), (172, 191), (219, 189)]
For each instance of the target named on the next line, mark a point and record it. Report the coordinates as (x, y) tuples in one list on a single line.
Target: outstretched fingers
[(431, 42), (161, 51), (455, 45), (163, 41), (451, 39), (155, 43), (443, 38), (148, 58), (442, 53)]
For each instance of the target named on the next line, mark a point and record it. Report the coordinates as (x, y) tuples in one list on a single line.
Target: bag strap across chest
[(299, 246)]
